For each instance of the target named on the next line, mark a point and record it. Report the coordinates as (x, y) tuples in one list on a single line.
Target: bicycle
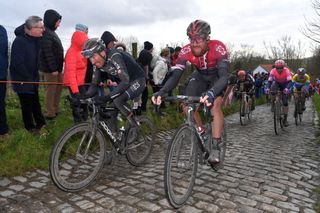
[(278, 115), (245, 111), (80, 153), (298, 108), (185, 150)]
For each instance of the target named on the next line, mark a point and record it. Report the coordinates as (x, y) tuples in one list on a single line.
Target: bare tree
[(285, 48), (311, 28)]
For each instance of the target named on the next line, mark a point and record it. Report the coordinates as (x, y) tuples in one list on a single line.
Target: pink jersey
[(282, 77)]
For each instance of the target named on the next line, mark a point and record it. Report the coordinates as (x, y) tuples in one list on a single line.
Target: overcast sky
[(164, 22)]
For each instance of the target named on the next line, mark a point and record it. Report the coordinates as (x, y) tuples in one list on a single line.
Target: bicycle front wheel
[(243, 119), (77, 157), (277, 117), (181, 165), (139, 141)]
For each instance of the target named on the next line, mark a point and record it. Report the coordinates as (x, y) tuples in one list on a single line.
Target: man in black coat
[(24, 67), (3, 77), (51, 62)]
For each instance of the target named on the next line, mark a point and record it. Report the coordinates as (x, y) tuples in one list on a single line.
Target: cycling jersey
[(213, 63), (121, 67), (283, 77), (247, 84), (299, 81)]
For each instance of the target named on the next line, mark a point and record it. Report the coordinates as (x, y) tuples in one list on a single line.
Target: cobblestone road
[(263, 173)]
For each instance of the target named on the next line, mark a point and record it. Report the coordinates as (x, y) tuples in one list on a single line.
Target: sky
[(164, 22)]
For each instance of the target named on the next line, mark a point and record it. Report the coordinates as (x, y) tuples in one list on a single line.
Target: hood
[(78, 39), (50, 18), (19, 31)]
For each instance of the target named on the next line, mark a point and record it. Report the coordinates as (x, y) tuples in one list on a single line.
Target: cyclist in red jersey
[(209, 80)]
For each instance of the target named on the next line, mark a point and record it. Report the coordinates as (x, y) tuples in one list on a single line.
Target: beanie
[(148, 45), (81, 27), (107, 37)]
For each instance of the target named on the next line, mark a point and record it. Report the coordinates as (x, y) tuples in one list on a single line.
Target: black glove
[(210, 95)]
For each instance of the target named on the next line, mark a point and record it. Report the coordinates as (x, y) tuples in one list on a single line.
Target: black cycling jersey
[(121, 67)]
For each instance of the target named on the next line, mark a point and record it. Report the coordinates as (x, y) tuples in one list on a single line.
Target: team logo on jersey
[(221, 50)]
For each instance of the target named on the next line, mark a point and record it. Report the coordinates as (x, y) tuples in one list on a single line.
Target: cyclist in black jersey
[(121, 67)]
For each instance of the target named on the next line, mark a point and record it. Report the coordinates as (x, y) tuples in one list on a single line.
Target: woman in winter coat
[(75, 67)]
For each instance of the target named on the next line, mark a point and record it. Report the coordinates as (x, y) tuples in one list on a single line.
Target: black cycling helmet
[(93, 45), (198, 28)]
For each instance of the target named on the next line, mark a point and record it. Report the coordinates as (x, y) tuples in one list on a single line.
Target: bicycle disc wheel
[(77, 157), (139, 141), (181, 165)]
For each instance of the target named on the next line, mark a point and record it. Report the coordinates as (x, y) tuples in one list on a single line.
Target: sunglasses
[(197, 39)]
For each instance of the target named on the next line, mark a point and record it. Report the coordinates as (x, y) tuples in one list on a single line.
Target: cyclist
[(301, 82), (280, 79), (245, 83), (209, 80), (119, 65)]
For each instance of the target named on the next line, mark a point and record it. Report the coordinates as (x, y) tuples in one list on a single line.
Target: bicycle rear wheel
[(139, 141), (77, 157), (181, 165)]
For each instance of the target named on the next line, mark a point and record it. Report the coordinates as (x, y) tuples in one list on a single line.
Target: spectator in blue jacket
[(3, 77), (24, 67)]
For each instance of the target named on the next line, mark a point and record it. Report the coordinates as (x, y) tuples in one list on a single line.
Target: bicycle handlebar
[(184, 98)]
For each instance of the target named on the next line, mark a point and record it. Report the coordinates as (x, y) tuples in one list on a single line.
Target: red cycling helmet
[(241, 73), (279, 63), (198, 28)]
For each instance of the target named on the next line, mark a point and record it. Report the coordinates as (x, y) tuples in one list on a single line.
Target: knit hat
[(148, 45), (107, 37), (82, 27)]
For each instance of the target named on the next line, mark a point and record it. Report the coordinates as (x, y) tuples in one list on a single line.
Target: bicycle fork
[(91, 134)]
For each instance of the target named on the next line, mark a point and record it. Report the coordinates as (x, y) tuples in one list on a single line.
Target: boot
[(285, 120)]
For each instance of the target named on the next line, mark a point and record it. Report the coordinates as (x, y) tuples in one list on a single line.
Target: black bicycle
[(185, 150), (245, 108), (80, 153)]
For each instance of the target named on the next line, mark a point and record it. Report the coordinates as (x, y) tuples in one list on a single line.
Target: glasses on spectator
[(279, 68), (197, 39)]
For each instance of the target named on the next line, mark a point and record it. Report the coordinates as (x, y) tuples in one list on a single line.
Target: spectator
[(109, 40), (175, 55), (3, 77), (82, 28), (24, 67), (160, 66), (74, 73), (51, 63), (144, 59)]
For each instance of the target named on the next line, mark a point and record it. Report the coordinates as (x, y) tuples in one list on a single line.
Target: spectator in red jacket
[(75, 67)]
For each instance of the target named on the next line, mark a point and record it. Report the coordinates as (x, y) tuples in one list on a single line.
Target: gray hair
[(32, 21)]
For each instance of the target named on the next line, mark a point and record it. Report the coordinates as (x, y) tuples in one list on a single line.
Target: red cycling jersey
[(216, 52)]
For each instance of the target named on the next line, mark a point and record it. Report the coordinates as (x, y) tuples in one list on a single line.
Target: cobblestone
[(262, 173)]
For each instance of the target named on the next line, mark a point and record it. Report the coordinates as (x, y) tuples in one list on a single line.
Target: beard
[(198, 51)]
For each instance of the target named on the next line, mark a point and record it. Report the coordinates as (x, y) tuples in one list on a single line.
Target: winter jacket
[(3, 53), (24, 61), (75, 64), (51, 52), (160, 69)]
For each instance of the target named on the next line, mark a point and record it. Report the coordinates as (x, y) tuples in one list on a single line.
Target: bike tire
[(242, 113), (139, 141), (276, 117), (71, 170), (183, 146)]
